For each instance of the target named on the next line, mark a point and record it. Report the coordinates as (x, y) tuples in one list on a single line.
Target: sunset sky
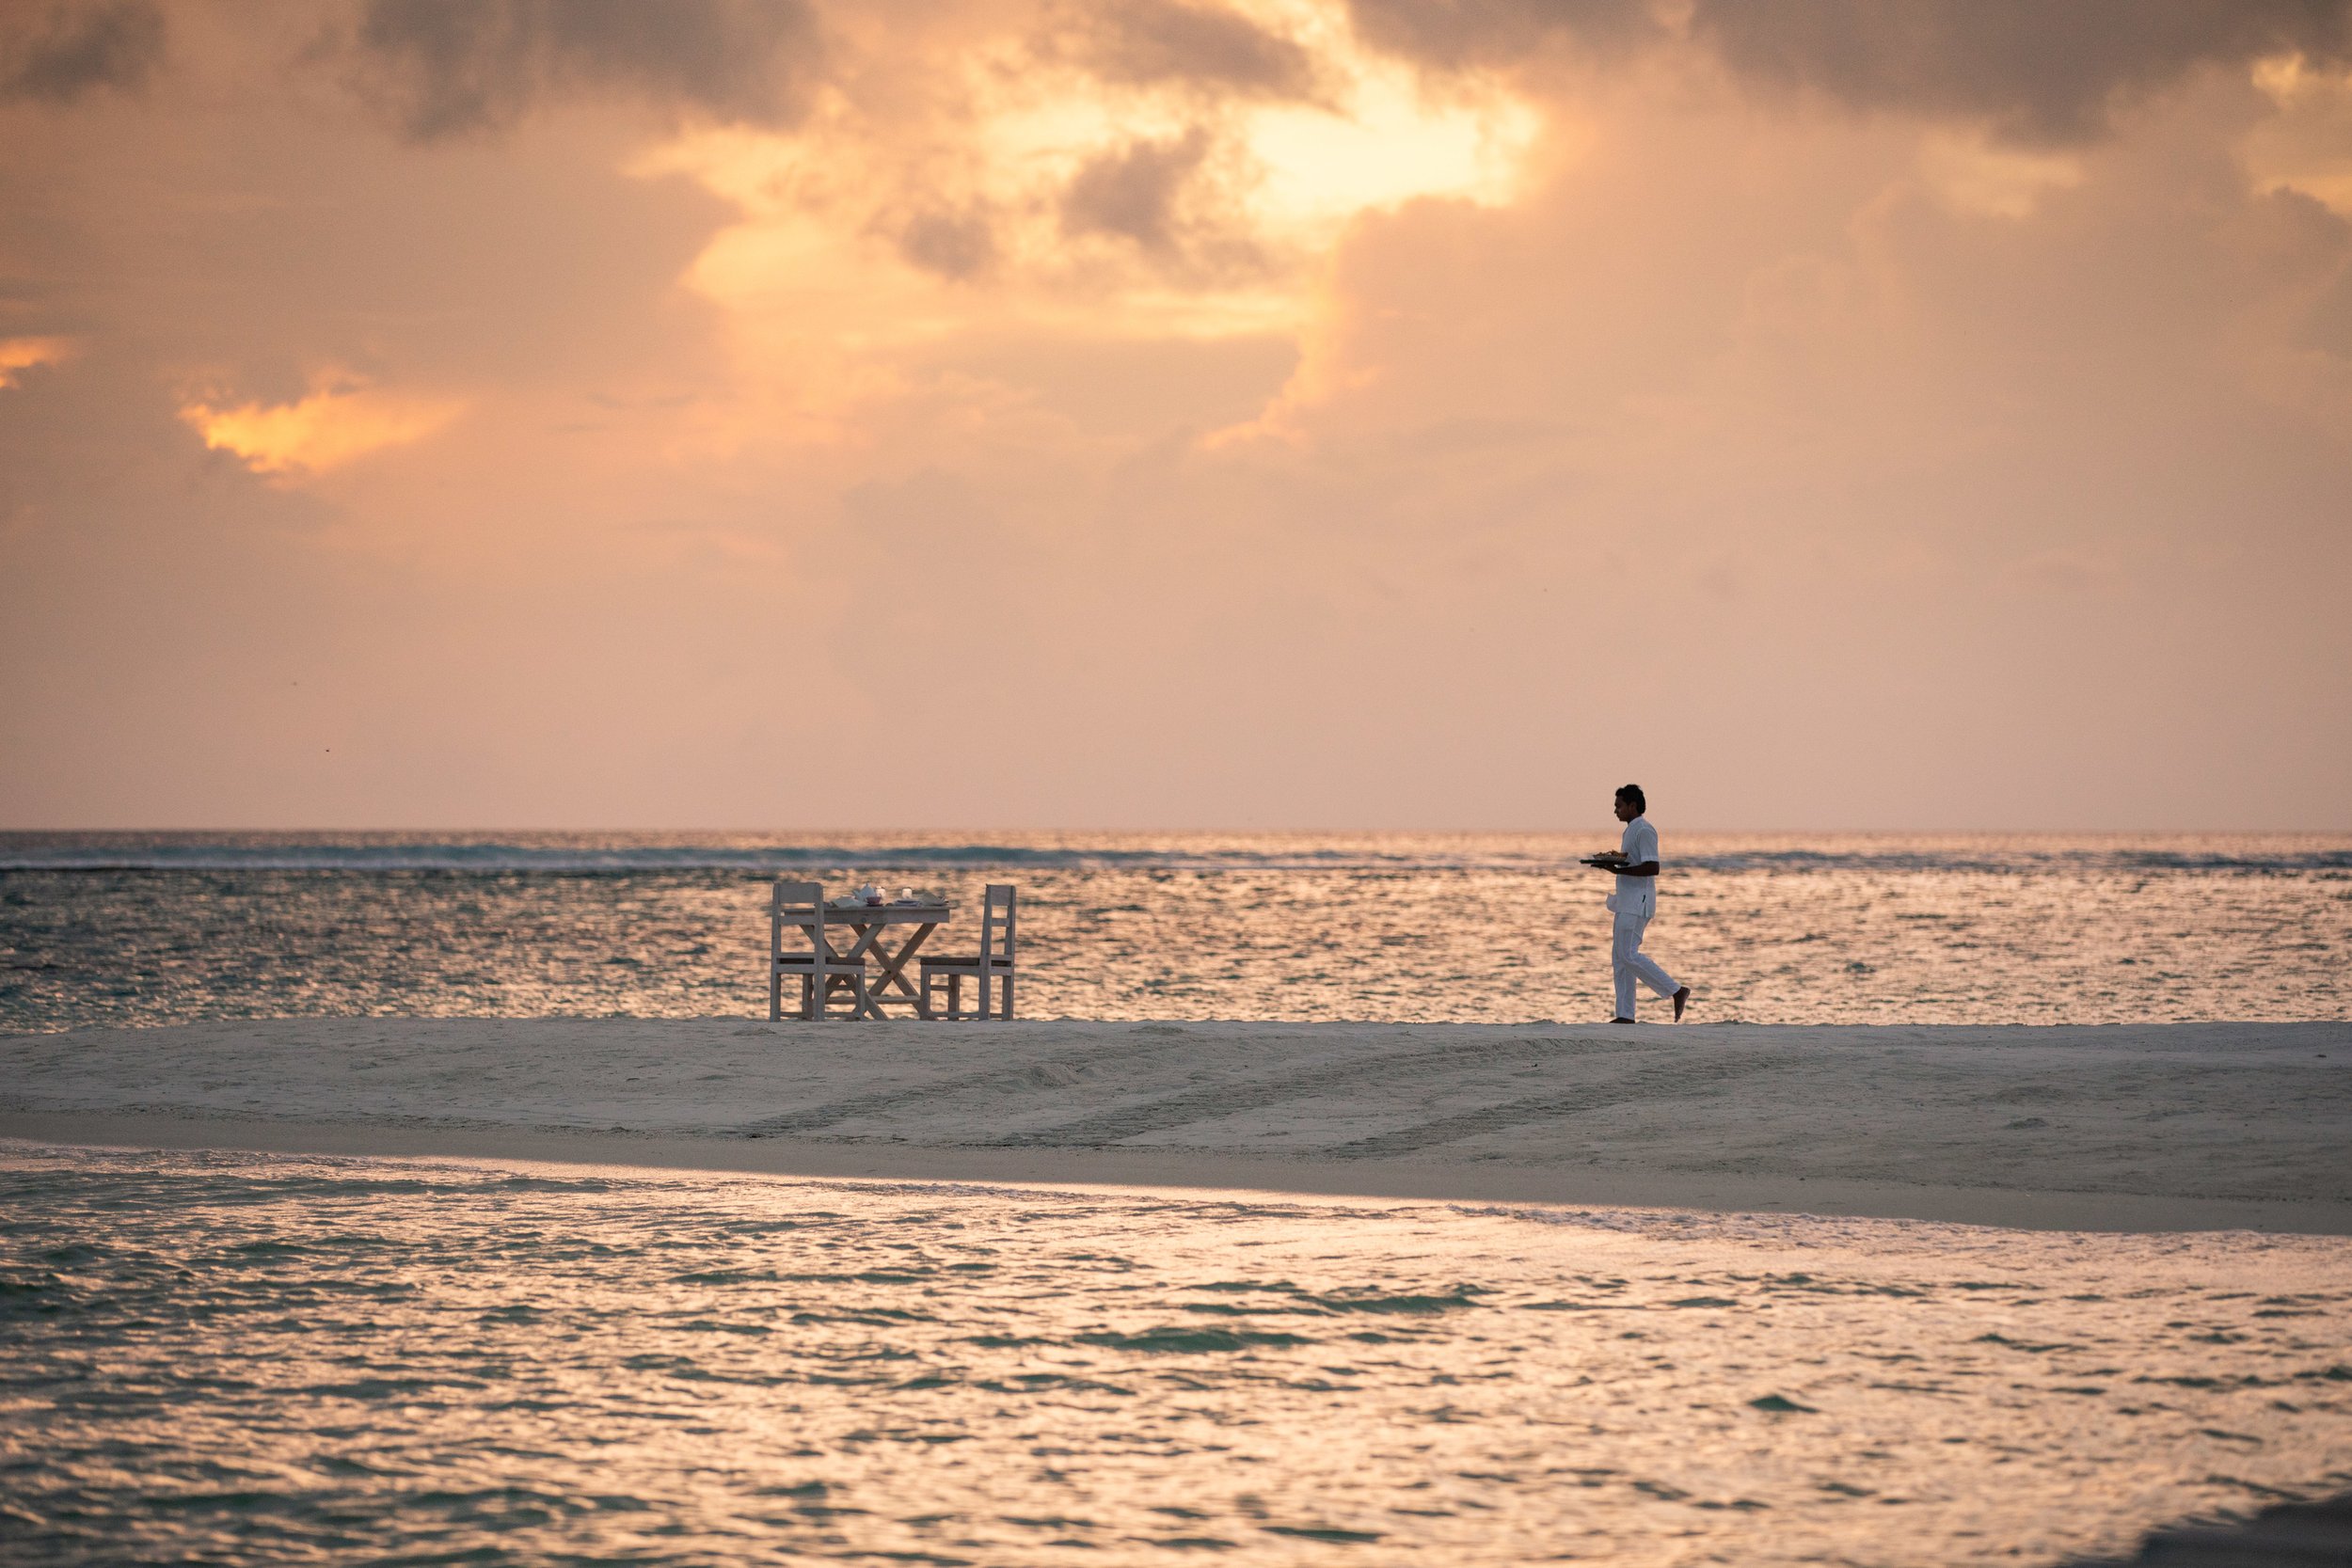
[(723, 413)]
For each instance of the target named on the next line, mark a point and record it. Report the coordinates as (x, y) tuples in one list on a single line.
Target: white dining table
[(871, 942)]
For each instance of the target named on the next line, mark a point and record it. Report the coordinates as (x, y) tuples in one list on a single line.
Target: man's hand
[(1615, 863)]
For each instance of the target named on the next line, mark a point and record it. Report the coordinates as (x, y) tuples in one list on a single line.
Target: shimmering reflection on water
[(149, 928), (244, 1358)]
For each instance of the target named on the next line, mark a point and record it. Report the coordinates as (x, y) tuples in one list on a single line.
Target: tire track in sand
[(1660, 1083), (1223, 1100), (1026, 1076)]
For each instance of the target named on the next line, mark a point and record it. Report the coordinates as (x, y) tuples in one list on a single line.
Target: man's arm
[(1622, 867)]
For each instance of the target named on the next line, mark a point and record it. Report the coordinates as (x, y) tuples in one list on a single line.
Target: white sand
[(2184, 1126)]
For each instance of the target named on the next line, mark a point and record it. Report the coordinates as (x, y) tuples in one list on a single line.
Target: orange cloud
[(1019, 190), (18, 354), (2307, 145), (332, 426)]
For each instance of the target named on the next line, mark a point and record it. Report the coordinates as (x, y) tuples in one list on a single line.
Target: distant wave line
[(491, 858)]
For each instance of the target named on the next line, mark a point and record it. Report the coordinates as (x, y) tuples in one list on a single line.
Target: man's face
[(1625, 812)]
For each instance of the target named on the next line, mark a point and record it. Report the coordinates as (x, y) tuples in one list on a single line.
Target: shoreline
[(2155, 1127), (1203, 1174)]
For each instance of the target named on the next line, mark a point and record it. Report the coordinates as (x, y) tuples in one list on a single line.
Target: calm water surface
[(246, 1358), (134, 928)]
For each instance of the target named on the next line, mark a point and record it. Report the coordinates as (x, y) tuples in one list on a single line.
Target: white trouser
[(1629, 962)]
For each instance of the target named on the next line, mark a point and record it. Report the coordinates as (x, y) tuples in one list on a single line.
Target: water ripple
[(148, 928), (246, 1358)]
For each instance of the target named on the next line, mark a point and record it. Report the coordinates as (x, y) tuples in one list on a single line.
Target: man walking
[(1635, 866)]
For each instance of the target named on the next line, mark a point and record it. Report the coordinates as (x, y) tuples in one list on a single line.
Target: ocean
[(242, 1357), (125, 928), (247, 1358)]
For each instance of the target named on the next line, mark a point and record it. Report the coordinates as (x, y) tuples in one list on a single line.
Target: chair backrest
[(801, 905), (997, 933), (998, 922)]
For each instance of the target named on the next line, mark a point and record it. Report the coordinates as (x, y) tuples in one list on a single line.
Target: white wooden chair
[(801, 907), (992, 967)]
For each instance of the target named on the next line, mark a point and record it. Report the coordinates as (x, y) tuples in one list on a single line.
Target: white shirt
[(1637, 895)]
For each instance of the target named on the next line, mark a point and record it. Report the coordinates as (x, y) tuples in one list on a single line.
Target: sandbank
[(2162, 1127)]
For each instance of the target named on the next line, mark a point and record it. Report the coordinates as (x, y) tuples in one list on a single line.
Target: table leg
[(894, 966), (859, 952)]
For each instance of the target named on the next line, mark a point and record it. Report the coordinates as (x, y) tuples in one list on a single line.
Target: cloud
[(57, 53), (2033, 71), (952, 244), (449, 67), (1132, 191), (18, 354), (1163, 42), (1463, 34), (325, 430), (2306, 145), (1956, 481), (1181, 202), (2037, 71), (1147, 190)]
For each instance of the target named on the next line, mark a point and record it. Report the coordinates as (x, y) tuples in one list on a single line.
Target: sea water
[(234, 1358), (151, 929), (243, 1358)]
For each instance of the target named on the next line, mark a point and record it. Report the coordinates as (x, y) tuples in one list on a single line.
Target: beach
[(1647, 701), (2156, 1128), (1103, 1290)]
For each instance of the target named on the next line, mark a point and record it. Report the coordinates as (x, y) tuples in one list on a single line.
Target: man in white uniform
[(1634, 864)]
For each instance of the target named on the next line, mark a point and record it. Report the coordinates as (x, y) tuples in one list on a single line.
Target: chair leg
[(775, 993), (1006, 1013), (955, 994)]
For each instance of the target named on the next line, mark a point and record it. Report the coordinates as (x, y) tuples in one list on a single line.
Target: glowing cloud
[(1026, 191), (336, 424), (1974, 175), (1322, 167), (2307, 146), (18, 354)]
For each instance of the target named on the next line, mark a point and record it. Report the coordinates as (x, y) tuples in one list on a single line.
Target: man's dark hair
[(1633, 793)]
